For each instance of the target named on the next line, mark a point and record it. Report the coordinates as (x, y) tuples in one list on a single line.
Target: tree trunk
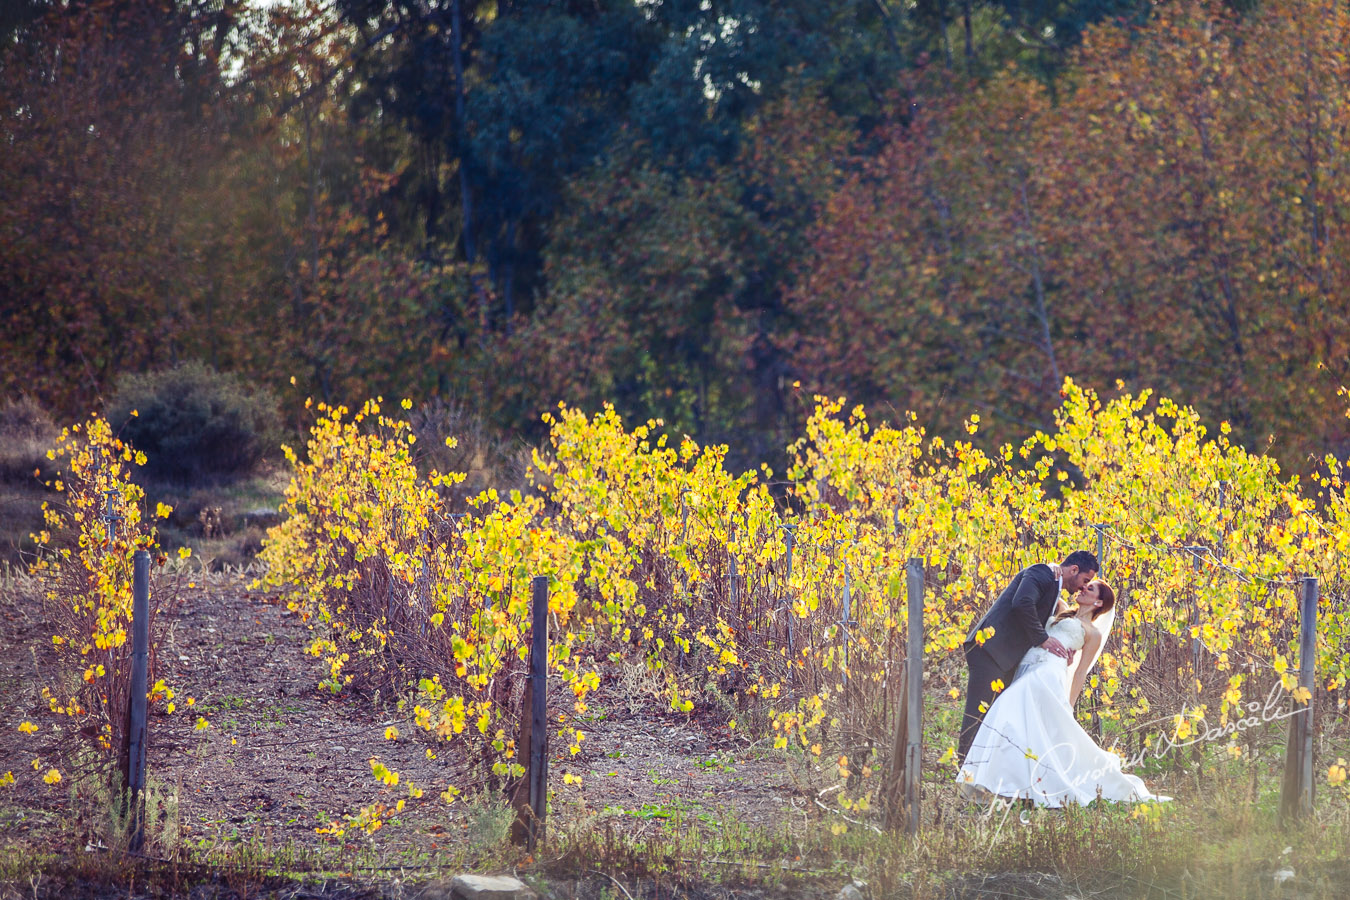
[(465, 188), (970, 34)]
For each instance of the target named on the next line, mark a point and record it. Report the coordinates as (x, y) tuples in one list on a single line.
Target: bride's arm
[(1091, 641)]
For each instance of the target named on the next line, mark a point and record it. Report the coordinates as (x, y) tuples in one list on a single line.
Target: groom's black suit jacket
[(1018, 616)]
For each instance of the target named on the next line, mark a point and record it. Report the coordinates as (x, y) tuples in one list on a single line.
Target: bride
[(1030, 746)]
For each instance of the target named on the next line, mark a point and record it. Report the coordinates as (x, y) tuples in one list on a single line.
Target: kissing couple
[(1025, 743)]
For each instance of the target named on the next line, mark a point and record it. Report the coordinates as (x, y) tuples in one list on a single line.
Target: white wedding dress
[(1030, 746)]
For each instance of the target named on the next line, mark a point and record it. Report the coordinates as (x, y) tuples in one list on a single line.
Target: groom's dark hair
[(1084, 560)]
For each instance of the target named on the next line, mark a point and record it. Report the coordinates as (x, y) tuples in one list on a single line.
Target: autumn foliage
[(94, 526), (1169, 213), (658, 556), (161, 208), (1163, 206)]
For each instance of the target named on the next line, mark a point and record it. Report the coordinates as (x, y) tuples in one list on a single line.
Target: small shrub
[(194, 423), (86, 576), (26, 434), (490, 820)]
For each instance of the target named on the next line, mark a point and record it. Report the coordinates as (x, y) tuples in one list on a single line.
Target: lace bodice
[(1068, 632)]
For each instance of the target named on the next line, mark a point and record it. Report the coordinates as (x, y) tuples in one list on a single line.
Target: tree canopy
[(701, 210)]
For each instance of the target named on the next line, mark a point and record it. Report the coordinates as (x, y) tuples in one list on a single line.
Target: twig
[(616, 881), (789, 867), (847, 819)]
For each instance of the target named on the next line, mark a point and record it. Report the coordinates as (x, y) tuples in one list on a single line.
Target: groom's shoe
[(973, 793), (970, 803)]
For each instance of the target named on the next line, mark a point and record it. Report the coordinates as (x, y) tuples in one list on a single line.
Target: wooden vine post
[(530, 800), (133, 750), (903, 794), (1296, 796), (1197, 755), (1195, 552), (1100, 528)]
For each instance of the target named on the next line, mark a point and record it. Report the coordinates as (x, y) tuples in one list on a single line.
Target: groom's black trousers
[(979, 690)]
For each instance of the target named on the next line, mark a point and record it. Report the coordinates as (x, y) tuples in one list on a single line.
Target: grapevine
[(658, 555)]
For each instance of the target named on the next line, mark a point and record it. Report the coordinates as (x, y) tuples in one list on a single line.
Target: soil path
[(281, 758)]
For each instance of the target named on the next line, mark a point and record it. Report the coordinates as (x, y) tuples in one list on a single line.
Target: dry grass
[(26, 433), (224, 524), (1223, 845)]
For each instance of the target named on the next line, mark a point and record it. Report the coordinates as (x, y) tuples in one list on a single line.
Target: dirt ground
[(281, 758)]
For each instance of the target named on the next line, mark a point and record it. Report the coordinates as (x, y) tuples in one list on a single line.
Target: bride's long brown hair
[(1104, 592)]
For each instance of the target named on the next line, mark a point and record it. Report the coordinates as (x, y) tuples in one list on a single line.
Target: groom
[(1019, 618)]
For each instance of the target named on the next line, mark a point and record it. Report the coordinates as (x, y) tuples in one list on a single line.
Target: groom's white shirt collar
[(1059, 584)]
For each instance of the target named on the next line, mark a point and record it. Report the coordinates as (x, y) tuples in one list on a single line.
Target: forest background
[(700, 210)]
